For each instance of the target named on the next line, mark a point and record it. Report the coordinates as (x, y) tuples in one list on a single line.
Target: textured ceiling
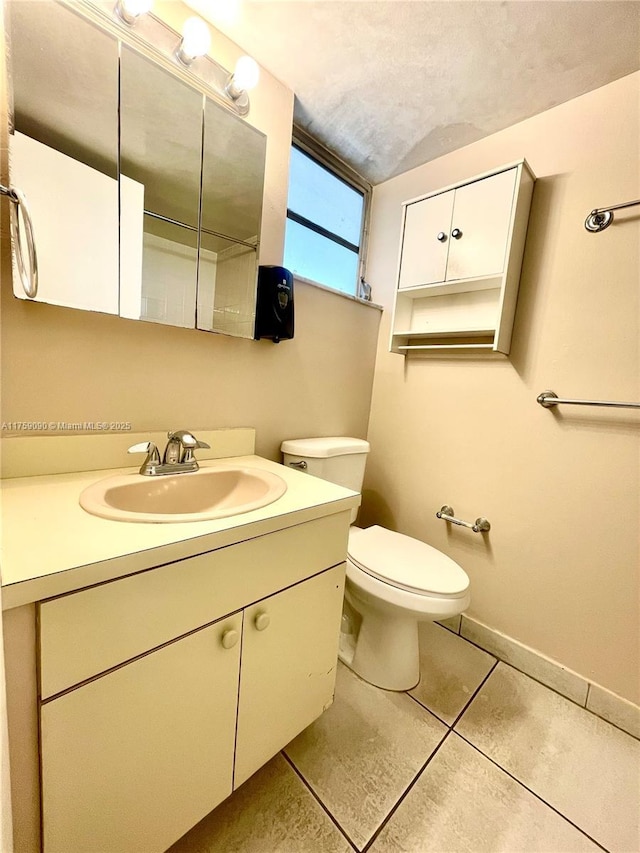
[(390, 84)]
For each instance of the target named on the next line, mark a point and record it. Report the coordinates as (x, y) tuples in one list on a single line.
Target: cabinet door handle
[(442, 237), (456, 233), (262, 621), (229, 638)]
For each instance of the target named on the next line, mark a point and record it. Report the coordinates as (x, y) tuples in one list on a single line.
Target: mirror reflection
[(232, 181), (64, 151), (187, 176), (160, 154)]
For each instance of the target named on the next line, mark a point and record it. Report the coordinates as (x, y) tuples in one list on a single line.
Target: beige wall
[(63, 365), (559, 570)]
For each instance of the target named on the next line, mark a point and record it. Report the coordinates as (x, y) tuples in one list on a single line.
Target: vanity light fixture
[(130, 10), (195, 41)]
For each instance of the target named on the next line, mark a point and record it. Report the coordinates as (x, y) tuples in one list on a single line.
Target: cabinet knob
[(262, 621), (442, 237), (456, 233), (229, 638)]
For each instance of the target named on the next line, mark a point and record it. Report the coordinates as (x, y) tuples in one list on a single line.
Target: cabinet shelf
[(464, 285), (460, 260), (440, 347), (449, 333)]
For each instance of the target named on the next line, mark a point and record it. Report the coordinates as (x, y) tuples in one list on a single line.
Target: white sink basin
[(196, 496)]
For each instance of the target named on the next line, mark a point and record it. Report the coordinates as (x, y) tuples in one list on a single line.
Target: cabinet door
[(424, 257), (134, 759), (288, 671), (482, 213)]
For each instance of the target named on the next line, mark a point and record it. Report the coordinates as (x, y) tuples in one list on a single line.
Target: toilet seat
[(406, 563)]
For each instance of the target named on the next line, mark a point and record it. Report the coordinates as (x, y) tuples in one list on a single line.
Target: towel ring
[(20, 210)]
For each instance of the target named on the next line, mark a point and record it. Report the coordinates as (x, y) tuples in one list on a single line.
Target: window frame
[(305, 143)]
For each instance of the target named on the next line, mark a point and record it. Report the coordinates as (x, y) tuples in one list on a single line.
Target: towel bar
[(549, 398), (481, 525)]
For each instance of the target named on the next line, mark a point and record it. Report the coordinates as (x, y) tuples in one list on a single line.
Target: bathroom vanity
[(161, 676)]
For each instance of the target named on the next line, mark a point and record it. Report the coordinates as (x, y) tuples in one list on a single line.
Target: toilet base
[(379, 638), (385, 653)]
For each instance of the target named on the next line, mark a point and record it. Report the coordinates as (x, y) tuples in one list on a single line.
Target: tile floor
[(478, 757)]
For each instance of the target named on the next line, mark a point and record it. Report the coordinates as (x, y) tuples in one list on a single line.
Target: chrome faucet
[(178, 455)]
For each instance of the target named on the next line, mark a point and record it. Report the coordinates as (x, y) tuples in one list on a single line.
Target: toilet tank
[(338, 459)]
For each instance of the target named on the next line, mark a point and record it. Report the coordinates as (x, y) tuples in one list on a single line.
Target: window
[(326, 212)]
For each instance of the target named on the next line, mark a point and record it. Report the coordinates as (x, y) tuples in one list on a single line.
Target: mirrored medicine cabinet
[(145, 193)]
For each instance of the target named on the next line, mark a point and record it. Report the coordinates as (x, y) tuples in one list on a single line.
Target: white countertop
[(50, 545)]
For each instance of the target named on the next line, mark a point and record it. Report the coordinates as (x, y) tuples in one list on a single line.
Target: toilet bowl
[(393, 581)]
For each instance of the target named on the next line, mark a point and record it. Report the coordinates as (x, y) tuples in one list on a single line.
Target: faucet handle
[(145, 447), (153, 455), (188, 443), (187, 439)]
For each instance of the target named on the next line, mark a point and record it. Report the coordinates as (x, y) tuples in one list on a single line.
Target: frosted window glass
[(323, 198), (312, 256)]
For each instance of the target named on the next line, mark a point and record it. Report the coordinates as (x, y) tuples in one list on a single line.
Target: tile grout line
[(404, 794), (318, 800), (450, 630), (429, 711), (466, 704), (475, 693), (533, 793), (429, 759)]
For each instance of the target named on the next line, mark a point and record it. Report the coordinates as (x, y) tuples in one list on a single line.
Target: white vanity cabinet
[(131, 760), (289, 651), (163, 691), (460, 259)]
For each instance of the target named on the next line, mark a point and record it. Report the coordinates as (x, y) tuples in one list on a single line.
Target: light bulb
[(130, 10), (246, 74), (244, 77), (196, 40)]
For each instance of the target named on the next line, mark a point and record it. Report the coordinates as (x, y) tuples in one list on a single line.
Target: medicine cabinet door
[(64, 151), (233, 166), (160, 163)]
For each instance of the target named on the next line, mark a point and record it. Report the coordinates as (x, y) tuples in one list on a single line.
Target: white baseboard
[(595, 698)]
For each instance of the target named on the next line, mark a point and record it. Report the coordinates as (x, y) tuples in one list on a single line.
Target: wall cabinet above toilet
[(460, 259)]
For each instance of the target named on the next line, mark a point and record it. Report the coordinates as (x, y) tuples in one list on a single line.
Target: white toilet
[(393, 581)]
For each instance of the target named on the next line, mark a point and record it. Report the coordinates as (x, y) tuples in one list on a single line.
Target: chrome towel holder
[(548, 399), (602, 217), (28, 276), (481, 525)]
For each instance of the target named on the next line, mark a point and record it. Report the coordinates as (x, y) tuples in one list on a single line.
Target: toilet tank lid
[(324, 447)]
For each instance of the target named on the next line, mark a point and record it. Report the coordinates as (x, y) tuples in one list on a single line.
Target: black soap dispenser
[(274, 308)]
